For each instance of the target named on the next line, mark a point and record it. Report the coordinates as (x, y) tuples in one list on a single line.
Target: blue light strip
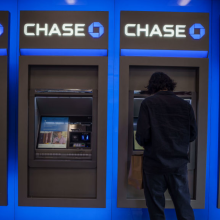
[(63, 52), (164, 53), (3, 52)]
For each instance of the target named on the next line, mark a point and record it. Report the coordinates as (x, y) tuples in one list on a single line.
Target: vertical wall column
[(4, 26)]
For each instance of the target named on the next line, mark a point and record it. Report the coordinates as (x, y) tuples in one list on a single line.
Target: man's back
[(166, 124), (165, 127)]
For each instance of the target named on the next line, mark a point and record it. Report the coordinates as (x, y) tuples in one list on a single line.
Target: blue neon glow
[(1, 29), (63, 52), (201, 30), (3, 52), (96, 25), (164, 53)]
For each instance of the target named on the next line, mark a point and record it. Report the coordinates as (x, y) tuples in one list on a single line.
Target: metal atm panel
[(59, 178), (134, 75)]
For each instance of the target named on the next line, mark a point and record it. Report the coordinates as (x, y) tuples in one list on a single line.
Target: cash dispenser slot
[(64, 124)]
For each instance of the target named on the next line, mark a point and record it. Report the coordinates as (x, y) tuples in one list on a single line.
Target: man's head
[(59, 134), (160, 81)]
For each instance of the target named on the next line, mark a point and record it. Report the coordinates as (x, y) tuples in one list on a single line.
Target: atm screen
[(136, 145), (188, 100), (53, 132), (65, 132)]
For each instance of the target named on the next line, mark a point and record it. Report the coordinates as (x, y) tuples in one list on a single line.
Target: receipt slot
[(62, 131), (191, 76)]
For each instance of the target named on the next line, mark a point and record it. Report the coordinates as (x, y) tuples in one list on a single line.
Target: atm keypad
[(80, 140), (80, 156)]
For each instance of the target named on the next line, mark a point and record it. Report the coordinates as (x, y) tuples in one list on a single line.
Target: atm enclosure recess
[(4, 15), (191, 76), (75, 91)]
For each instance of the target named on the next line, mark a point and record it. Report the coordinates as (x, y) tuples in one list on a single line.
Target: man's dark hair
[(160, 81)]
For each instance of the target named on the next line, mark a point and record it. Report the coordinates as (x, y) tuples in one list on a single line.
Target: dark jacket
[(166, 125)]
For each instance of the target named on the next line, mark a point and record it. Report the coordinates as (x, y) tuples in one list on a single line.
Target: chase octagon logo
[(1, 29), (200, 29), (96, 25)]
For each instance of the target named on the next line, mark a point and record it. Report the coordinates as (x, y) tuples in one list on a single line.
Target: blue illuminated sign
[(164, 53), (63, 52), (1, 29), (3, 52), (201, 30), (96, 25)]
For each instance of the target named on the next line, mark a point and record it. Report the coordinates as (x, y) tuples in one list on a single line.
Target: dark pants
[(155, 186)]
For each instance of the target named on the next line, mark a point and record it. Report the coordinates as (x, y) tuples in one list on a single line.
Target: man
[(59, 139), (166, 125)]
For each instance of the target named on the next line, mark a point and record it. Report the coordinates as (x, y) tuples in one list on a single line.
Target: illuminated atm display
[(65, 137), (136, 145), (53, 132)]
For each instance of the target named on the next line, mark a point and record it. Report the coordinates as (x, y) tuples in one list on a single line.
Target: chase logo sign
[(64, 29), (96, 29), (164, 30), (199, 28), (96, 25), (1, 29), (167, 31)]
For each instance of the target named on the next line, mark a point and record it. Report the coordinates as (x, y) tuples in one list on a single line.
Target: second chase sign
[(164, 30)]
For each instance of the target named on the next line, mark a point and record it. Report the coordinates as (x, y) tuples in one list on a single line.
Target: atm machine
[(62, 131), (62, 120), (146, 48), (192, 86), (4, 43)]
